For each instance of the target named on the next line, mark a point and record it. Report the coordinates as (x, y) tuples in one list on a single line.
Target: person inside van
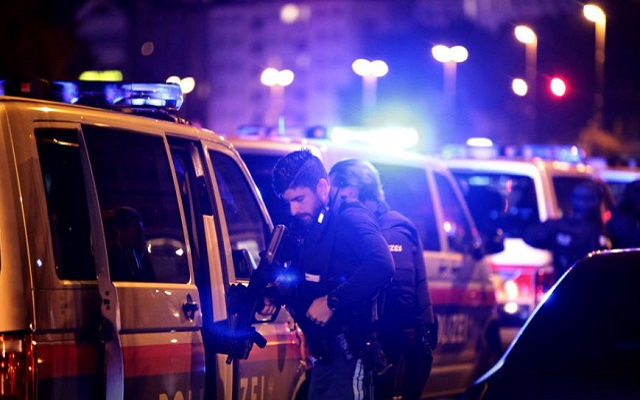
[(407, 326), (126, 245)]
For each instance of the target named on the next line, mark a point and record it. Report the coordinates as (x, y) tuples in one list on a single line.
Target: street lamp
[(526, 35), (276, 80), (370, 71), (449, 57), (595, 14)]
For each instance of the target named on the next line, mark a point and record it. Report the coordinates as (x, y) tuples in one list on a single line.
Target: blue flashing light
[(390, 138), (161, 96), (565, 153)]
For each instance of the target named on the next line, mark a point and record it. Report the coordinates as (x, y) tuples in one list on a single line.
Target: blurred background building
[(225, 46)]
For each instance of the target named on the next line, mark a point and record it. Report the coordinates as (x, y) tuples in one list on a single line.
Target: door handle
[(189, 308)]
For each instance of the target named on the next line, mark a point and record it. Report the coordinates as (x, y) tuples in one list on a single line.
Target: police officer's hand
[(319, 312), (269, 308)]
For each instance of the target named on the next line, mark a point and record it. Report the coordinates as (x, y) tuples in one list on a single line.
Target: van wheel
[(490, 348)]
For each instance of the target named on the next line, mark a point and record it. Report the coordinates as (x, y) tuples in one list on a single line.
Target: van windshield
[(518, 203)]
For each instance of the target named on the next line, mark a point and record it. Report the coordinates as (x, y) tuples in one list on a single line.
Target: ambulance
[(423, 189), (534, 184), (122, 228)]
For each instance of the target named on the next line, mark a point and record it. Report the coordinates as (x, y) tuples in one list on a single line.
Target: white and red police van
[(423, 189), (120, 236), (534, 184)]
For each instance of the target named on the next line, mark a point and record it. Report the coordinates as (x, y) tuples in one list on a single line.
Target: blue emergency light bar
[(163, 96), (110, 95), (556, 152)]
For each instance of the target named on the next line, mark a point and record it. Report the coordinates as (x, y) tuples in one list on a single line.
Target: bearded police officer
[(342, 266)]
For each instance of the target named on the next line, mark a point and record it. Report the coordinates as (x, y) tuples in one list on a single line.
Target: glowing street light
[(595, 14), (528, 37), (187, 84), (519, 87), (277, 80), (370, 71), (449, 57)]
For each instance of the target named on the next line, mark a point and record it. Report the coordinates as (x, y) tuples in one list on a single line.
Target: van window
[(518, 193), (456, 224), (261, 167), (61, 168), (406, 189), (247, 229), (139, 205)]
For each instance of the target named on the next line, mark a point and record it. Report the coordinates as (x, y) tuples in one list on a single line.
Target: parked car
[(583, 340), (423, 189)]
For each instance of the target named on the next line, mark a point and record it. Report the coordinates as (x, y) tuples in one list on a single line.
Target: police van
[(423, 189), (121, 232), (533, 184), (616, 176)]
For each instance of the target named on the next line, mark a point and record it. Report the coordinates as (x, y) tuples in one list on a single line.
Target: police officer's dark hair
[(297, 169), (358, 173)]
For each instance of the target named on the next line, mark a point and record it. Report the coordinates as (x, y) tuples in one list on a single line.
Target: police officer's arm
[(409, 288), (361, 233), (540, 235)]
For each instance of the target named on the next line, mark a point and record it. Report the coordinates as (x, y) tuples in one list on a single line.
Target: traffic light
[(558, 86)]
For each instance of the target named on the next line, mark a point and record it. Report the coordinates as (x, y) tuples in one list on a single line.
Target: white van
[(118, 235), (531, 190), (423, 189)]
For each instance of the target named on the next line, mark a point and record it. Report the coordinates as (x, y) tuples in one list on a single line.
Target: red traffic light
[(558, 86)]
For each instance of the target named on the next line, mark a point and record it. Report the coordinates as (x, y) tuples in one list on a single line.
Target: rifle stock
[(245, 301)]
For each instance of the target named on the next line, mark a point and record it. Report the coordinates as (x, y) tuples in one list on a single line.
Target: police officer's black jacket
[(407, 301), (568, 238), (347, 258)]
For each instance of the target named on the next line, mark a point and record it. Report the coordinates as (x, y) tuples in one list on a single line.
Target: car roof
[(523, 166)]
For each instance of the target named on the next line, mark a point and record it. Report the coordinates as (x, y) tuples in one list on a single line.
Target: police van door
[(153, 343), (228, 226)]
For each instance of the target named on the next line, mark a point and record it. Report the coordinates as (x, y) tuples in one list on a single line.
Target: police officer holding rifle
[(332, 284)]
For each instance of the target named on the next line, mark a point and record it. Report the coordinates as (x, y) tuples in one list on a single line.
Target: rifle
[(243, 302)]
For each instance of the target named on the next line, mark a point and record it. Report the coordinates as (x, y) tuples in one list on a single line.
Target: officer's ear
[(322, 189)]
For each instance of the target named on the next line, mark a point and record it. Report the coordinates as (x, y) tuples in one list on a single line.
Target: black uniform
[(568, 238), (624, 225), (346, 258), (407, 312)]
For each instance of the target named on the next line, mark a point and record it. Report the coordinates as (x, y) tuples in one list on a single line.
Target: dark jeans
[(411, 358), (337, 380)]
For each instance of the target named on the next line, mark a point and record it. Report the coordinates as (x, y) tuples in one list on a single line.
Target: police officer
[(574, 235), (406, 313), (343, 264), (624, 225)]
